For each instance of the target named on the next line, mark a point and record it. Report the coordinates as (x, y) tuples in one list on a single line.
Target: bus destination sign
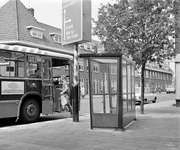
[(76, 21)]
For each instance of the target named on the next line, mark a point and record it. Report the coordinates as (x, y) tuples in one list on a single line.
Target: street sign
[(76, 21)]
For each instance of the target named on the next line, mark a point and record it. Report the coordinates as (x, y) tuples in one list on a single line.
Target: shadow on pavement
[(12, 121)]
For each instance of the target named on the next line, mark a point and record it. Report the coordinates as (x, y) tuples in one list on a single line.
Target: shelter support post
[(177, 71)]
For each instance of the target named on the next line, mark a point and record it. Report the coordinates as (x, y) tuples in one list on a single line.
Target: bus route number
[(31, 58)]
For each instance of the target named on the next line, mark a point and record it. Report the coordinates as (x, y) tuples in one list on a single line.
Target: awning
[(18, 48)]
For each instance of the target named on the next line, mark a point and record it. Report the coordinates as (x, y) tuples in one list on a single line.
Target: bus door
[(47, 86)]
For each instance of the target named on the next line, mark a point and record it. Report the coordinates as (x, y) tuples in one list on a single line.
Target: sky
[(49, 11)]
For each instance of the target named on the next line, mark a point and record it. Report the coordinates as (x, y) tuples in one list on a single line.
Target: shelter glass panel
[(129, 85), (124, 85), (133, 86), (104, 85), (125, 108), (124, 76)]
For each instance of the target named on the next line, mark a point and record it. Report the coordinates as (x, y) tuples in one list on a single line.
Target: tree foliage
[(144, 29)]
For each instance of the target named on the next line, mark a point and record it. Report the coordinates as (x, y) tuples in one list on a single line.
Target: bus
[(30, 81)]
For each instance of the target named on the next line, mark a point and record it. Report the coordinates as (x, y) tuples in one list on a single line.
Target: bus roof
[(30, 50)]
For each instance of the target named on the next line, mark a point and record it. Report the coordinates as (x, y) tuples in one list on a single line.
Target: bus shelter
[(111, 90)]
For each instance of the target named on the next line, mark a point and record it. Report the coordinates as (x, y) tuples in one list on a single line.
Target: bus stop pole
[(75, 86)]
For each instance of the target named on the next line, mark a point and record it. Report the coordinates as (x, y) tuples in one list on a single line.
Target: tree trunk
[(142, 88)]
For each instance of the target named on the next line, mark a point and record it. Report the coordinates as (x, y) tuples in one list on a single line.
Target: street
[(84, 110), (151, 131)]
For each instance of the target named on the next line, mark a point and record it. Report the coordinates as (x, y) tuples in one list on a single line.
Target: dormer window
[(81, 46), (56, 37), (36, 32), (88, 46)]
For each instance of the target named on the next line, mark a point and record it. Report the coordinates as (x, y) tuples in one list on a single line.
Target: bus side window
[(33, 66), (12, 64)]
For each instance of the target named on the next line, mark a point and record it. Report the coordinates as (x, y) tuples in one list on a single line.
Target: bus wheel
[(30, 111)]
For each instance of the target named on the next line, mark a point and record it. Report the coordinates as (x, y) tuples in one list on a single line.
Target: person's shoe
[(58, 111), (66, 108)]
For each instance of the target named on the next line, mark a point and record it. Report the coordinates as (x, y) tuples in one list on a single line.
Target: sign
[(12, 88), (31, 58), (76, 21)]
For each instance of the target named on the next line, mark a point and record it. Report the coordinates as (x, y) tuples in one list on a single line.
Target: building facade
[(155, 78), (18, 26)]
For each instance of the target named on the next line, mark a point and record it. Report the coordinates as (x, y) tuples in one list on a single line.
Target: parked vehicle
[(170, 90), (149, 96)]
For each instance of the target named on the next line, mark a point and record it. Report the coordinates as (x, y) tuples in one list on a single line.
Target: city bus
[(27, 86)]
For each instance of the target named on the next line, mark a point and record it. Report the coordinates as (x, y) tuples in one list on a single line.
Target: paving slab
[(157, 129)]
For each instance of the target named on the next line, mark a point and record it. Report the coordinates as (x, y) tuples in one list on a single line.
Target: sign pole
[(76, 28), (76, 86)]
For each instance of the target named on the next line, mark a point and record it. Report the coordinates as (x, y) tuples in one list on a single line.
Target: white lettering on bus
[(13, 91)]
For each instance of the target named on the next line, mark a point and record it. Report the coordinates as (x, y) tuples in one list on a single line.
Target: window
[(11, 69), (96, 86), (96, 67), (160, 75), (56, 37), (12, 64), (164, 76), (81, 65), (94, 47), (66, 67), (102, 84), (113, 69), (81, 46), (33, 66), (81, 82), (113, 86), (150, 74), (88, 46), (87, 66), (155, 75), (147, 74), (36, 32)]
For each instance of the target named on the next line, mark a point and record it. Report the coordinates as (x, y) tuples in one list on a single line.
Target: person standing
[(82, 91), (65, 95)]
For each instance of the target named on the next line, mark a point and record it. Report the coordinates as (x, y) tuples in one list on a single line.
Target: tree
[(144, 29)]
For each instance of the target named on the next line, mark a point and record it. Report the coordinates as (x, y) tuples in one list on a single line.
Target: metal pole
[(142, 98), (75, 86)]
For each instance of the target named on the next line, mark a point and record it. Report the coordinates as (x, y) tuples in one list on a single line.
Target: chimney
[(31, 10)]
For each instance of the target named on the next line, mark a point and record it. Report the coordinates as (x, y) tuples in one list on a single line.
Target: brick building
[(20, 27)]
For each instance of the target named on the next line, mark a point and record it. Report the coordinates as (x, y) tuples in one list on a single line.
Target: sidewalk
[(157, 129)]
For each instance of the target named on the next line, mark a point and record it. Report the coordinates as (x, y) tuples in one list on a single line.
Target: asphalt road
[(84, 110), (84, 107), (165, 97)]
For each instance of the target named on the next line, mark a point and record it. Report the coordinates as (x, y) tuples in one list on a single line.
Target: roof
[(15, 18)]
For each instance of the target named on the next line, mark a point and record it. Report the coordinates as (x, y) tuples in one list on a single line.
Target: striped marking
[(23, 49), (31, 50), (76, 68)]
